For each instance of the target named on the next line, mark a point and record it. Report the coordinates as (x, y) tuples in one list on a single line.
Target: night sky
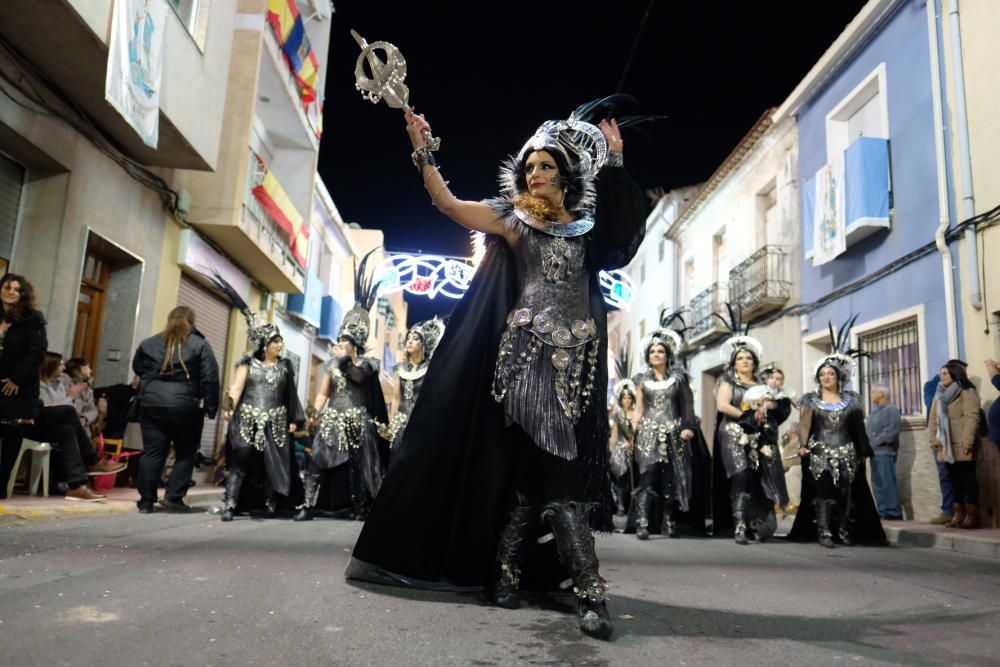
[(711, 68)]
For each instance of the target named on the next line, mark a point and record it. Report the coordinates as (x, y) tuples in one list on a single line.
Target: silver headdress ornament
[(842, 357), (259, 330), (623, 368), (430, 332), (667, 335), (581, 143), (357, 321), (741, 338)]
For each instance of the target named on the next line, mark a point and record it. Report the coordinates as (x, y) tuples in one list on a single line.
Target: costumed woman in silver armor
[(348, 405), (421, 341), (665, 424), (263, 410), (475, 484), (744, 459), (835, 491), (622, 440)]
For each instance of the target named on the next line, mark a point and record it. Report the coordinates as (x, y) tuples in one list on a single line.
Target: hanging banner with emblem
[(135, 64)]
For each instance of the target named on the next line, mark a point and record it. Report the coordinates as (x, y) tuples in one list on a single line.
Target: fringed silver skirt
[(544, 389)]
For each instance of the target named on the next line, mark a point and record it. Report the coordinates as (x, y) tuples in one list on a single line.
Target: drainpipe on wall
[(965, 157), (947, 265)]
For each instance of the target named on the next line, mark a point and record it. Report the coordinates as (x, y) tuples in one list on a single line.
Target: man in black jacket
[(179, 387)]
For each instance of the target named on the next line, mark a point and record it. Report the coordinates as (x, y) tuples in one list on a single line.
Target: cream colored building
[(970, 52), (736, 242), (653, 277)]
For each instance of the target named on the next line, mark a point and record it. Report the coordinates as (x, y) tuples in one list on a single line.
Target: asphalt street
[(129, 589)]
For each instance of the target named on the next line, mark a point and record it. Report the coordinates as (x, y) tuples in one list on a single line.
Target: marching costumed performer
[(263, 410), (665, 426), (835, 492), (742, 458), (421, 341), (348, 405), (622, 433), (514, 444)]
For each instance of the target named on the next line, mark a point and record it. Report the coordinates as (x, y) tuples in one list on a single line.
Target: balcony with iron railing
[(760, 284), (268, 235), (703, 308)]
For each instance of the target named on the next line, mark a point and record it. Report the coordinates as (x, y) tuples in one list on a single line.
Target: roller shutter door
[(11, 179), (212, 320)]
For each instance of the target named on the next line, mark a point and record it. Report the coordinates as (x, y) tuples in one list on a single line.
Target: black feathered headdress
[(668, 335), (357, 322), (259, 331), (842, 356), (740, 338)]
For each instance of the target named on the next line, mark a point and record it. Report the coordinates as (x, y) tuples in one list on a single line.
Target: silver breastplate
[(344, 394), (554, 303), (659, 399), (265, 385)]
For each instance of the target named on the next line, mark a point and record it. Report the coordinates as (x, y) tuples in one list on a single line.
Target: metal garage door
[(212, 320)]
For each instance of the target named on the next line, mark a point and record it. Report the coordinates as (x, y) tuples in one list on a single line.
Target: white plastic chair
[(39, 466)]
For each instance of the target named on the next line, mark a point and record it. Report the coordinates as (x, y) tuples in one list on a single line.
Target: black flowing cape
[(438, 517), (865, 525)]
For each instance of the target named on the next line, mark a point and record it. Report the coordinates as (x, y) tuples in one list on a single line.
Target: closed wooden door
[(90, 309)]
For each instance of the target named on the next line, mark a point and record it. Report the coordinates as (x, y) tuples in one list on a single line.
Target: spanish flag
[(276, 204)]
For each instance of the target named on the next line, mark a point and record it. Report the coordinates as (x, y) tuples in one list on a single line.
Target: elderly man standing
[(883, 432)]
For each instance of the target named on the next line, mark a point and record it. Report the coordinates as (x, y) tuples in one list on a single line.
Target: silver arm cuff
[(615, 159)]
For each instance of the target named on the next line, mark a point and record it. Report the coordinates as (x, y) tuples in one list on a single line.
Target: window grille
[(895, 362)]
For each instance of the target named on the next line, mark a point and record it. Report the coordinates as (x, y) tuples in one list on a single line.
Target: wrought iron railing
[(760, 283), (271, 237), (703, 307)]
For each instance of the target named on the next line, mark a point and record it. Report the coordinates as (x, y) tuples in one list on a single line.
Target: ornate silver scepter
[(386, 80)]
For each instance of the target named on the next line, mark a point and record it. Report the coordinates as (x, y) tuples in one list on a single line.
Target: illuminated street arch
[(439, 275)]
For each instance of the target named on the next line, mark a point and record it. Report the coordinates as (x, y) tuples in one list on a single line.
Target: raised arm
[(473, 215)]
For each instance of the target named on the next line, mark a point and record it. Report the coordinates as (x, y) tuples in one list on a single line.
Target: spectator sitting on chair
[(883, 433), (58, 409), (77, 373)]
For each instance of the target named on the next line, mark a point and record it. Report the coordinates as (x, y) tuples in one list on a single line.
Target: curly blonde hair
[(536, 207)]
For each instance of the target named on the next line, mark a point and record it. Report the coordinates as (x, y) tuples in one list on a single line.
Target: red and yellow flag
[(275, 201)]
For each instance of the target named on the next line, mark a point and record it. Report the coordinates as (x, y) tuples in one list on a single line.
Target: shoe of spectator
[(84, 494), (941, 519), (175, 506), (105, 467)]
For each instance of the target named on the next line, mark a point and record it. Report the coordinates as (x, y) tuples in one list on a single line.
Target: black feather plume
[(218, 281), (365, 289)]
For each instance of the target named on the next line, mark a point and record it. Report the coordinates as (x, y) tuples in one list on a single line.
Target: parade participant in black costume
[(665, 426), (421, 341), (837, 503), (263, 410), (515, 440), (776, 407), (746, 459), (349, 404), (622, 435)]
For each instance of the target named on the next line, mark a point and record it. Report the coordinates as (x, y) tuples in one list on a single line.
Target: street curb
[(22, 512), (963, 543)]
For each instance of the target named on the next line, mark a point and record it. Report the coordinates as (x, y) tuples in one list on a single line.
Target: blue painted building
[(868, 104), (869, 187)]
